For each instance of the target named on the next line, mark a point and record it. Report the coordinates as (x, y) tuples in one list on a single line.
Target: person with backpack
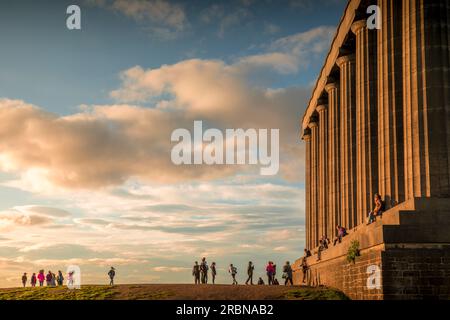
[(233, 272), (213, 272), (287, 274), (250, 270), (270, 272), (111, 274), (24, 279), (196, 273), (33, 280), (204, 270)]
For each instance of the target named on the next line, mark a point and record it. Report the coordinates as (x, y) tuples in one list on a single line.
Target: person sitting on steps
[(377, 211), (342, 232)]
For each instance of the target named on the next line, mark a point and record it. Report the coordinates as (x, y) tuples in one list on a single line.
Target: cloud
[(164, 19), (232, 19), (107, 145), (270, 28), (14, 218), (288, 54), (45, 211), (170, 269)]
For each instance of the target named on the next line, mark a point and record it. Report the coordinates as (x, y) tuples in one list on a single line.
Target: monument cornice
[(338, 40)]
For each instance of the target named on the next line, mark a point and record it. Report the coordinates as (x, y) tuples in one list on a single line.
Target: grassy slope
[(161, 292)]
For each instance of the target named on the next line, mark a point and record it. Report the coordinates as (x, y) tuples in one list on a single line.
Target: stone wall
[(410, 245), (416, 273), (351, 278)]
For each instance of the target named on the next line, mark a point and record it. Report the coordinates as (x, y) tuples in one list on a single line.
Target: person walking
[(287, 274), (213, 272), (196, 273), (250, 269), (111, 274), (33, 280), (233, 271), (24, 279), (60, 278), (41, 278)]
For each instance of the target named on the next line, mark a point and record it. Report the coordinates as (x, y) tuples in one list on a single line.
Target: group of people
[(51, 279), (200, 273), (324, 242)]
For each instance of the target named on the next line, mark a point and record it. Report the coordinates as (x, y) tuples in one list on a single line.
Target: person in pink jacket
[(270, 272), (41, 278)]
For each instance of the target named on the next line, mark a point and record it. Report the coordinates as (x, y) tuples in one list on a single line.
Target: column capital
[(313, 124), (306, 136), (345, 59), (321, 107), (330, 86), (357, 26)]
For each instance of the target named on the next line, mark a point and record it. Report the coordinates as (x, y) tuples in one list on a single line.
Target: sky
[(86, 176)]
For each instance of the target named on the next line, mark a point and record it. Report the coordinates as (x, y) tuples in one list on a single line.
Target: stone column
[(314, 205), (426, 101), (348, 140), (323, 161), (390, 96), (366, 119), (307, 138), (334, 211)]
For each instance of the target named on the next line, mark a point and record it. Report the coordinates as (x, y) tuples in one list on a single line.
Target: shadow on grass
[(315, 294)]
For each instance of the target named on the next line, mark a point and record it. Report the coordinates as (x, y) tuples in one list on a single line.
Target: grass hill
[(172, 292)]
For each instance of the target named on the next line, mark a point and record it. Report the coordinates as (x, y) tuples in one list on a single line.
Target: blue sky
[(84, 154)]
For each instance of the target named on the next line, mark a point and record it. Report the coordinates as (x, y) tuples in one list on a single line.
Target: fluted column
[(323, 161), (390, 96), (307, 138), (334, 212), (366, 119), (348, 140), (426, 101), (314, 205)]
